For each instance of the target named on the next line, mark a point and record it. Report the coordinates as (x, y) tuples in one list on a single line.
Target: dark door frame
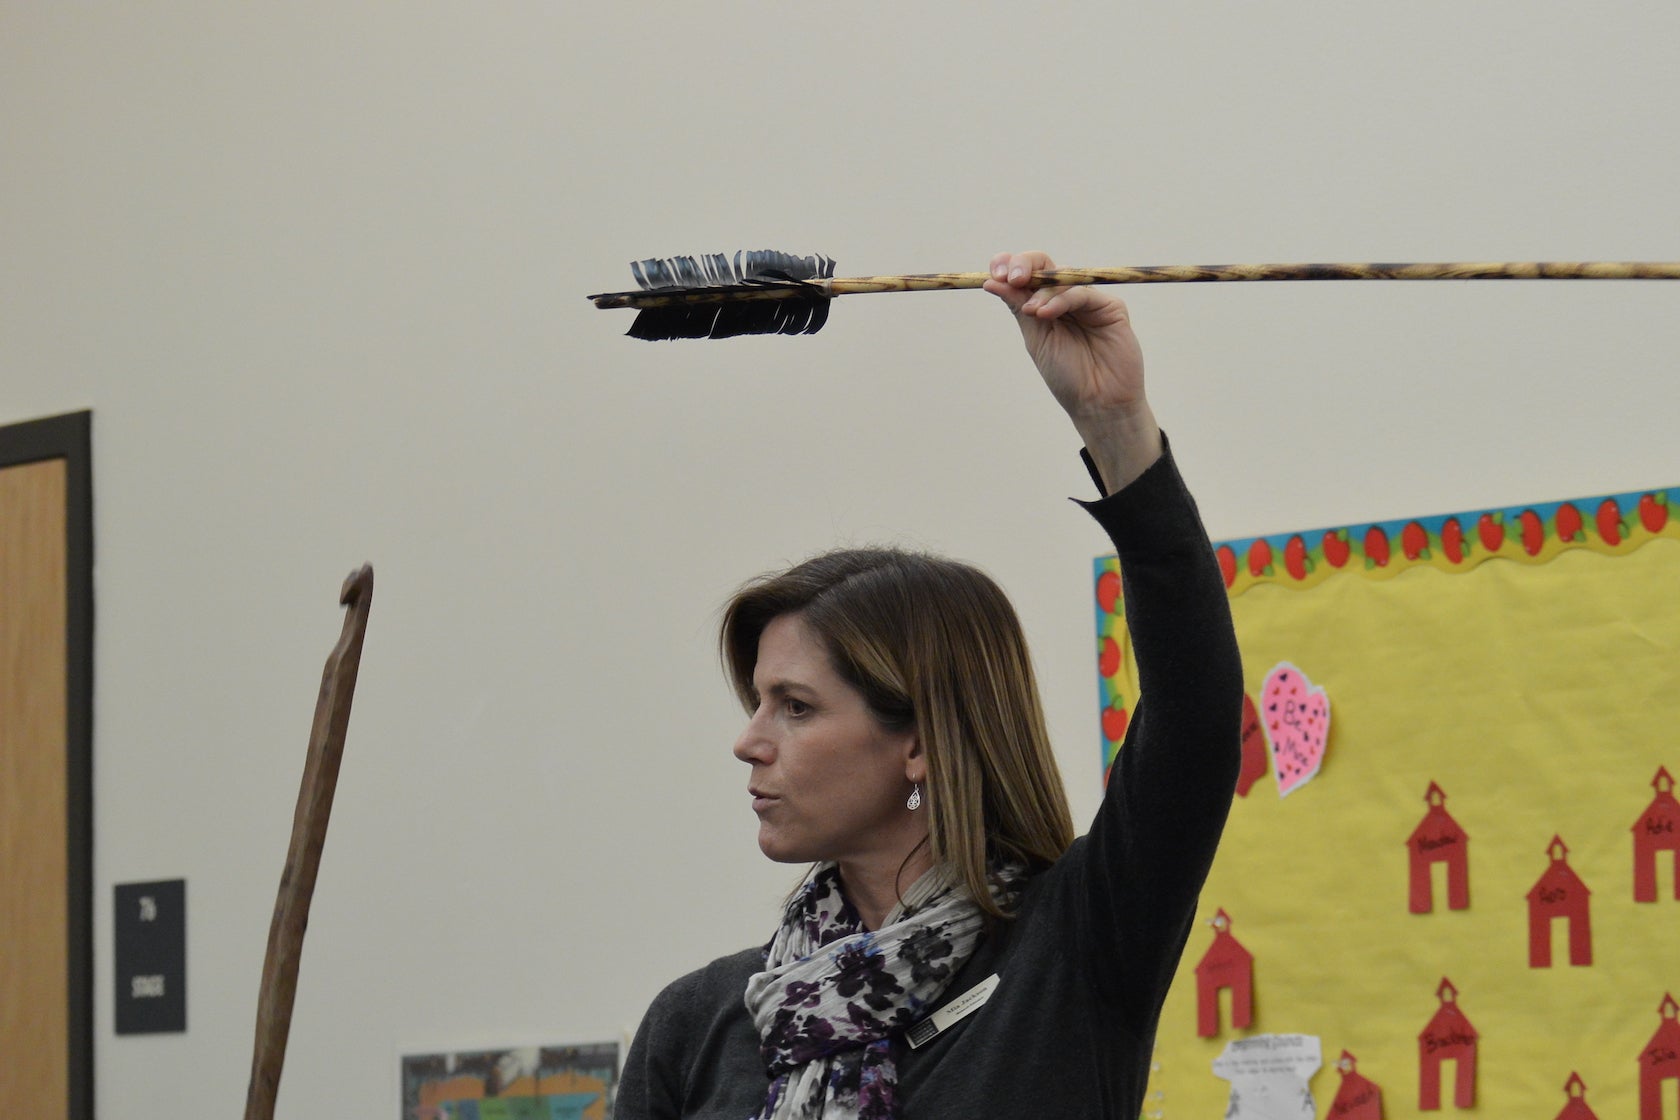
[(68, 437)]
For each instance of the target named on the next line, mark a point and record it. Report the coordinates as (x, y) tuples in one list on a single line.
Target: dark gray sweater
[(1085, 964)]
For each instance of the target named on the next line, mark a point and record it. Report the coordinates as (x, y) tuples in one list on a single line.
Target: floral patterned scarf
[(834, 998)]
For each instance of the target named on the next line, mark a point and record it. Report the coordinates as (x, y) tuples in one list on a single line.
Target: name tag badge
[(964, 1005)]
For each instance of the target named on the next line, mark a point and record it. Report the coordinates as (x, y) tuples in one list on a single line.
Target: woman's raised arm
[(1082, 342)]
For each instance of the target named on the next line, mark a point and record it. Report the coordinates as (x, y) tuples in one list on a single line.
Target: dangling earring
[(915, 801)]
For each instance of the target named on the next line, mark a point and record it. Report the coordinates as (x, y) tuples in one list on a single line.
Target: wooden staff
[(303, 859)]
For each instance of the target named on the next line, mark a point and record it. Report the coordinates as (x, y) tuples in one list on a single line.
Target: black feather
[(803, 312), (797, 315)]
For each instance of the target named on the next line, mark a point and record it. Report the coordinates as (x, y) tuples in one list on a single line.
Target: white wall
[(318, 270)]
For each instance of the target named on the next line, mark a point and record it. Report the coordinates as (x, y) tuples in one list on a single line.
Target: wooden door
[(46, 1035)]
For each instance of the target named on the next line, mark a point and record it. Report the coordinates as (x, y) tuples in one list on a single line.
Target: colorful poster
[(1506, 695), (531, 1083)]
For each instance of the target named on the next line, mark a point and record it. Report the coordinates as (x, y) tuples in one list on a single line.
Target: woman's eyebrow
[(784, 688)]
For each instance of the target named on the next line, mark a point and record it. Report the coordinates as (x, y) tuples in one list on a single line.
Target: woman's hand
[(1081, 339)]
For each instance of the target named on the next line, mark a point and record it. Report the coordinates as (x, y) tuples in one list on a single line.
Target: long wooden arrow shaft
[(1151, 274), (303, 858)]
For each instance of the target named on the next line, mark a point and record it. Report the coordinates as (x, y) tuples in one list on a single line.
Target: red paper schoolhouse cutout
[(1559, 893), (1438, 839), (1448, 1035), (1659, 1061), (1358, 1098), (1656, 830), (1576, 1090), (1226, 964)]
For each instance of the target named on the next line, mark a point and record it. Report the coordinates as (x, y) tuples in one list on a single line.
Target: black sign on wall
[(151, 955)]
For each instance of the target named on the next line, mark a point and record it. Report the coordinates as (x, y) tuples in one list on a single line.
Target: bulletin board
[(1453, 857)]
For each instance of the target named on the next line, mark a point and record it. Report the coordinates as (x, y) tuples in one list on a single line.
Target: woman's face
[(828, 781)]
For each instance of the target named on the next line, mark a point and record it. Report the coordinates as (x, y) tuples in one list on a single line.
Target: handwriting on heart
[(1296, 715)]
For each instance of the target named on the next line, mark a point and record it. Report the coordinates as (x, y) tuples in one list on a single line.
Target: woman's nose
[(753, 745)]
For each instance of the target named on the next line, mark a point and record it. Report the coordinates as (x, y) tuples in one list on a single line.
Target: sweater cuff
[(1153, 511)]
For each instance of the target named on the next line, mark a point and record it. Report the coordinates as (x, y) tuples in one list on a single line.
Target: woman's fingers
[(1088, 302), (1013, 296), (1016, 269), (1011, 276), (1023, 265)]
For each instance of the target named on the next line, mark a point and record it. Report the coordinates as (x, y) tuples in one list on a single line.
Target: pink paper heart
[(1296, 716)]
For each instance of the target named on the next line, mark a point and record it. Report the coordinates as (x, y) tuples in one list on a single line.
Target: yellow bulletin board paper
[(1525, 661)]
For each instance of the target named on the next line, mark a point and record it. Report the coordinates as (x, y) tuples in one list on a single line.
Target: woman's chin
[(778, 850)]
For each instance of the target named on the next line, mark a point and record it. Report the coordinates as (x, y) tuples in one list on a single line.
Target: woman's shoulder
[(696, 1045), (731, 968), (707, 986)]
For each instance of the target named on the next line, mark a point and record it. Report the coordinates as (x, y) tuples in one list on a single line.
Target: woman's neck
[(875, 887)]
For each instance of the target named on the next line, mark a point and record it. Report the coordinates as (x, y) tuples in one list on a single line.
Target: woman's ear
[(915, 760)]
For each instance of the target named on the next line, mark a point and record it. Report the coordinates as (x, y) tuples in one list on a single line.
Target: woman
[(957, 953)]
